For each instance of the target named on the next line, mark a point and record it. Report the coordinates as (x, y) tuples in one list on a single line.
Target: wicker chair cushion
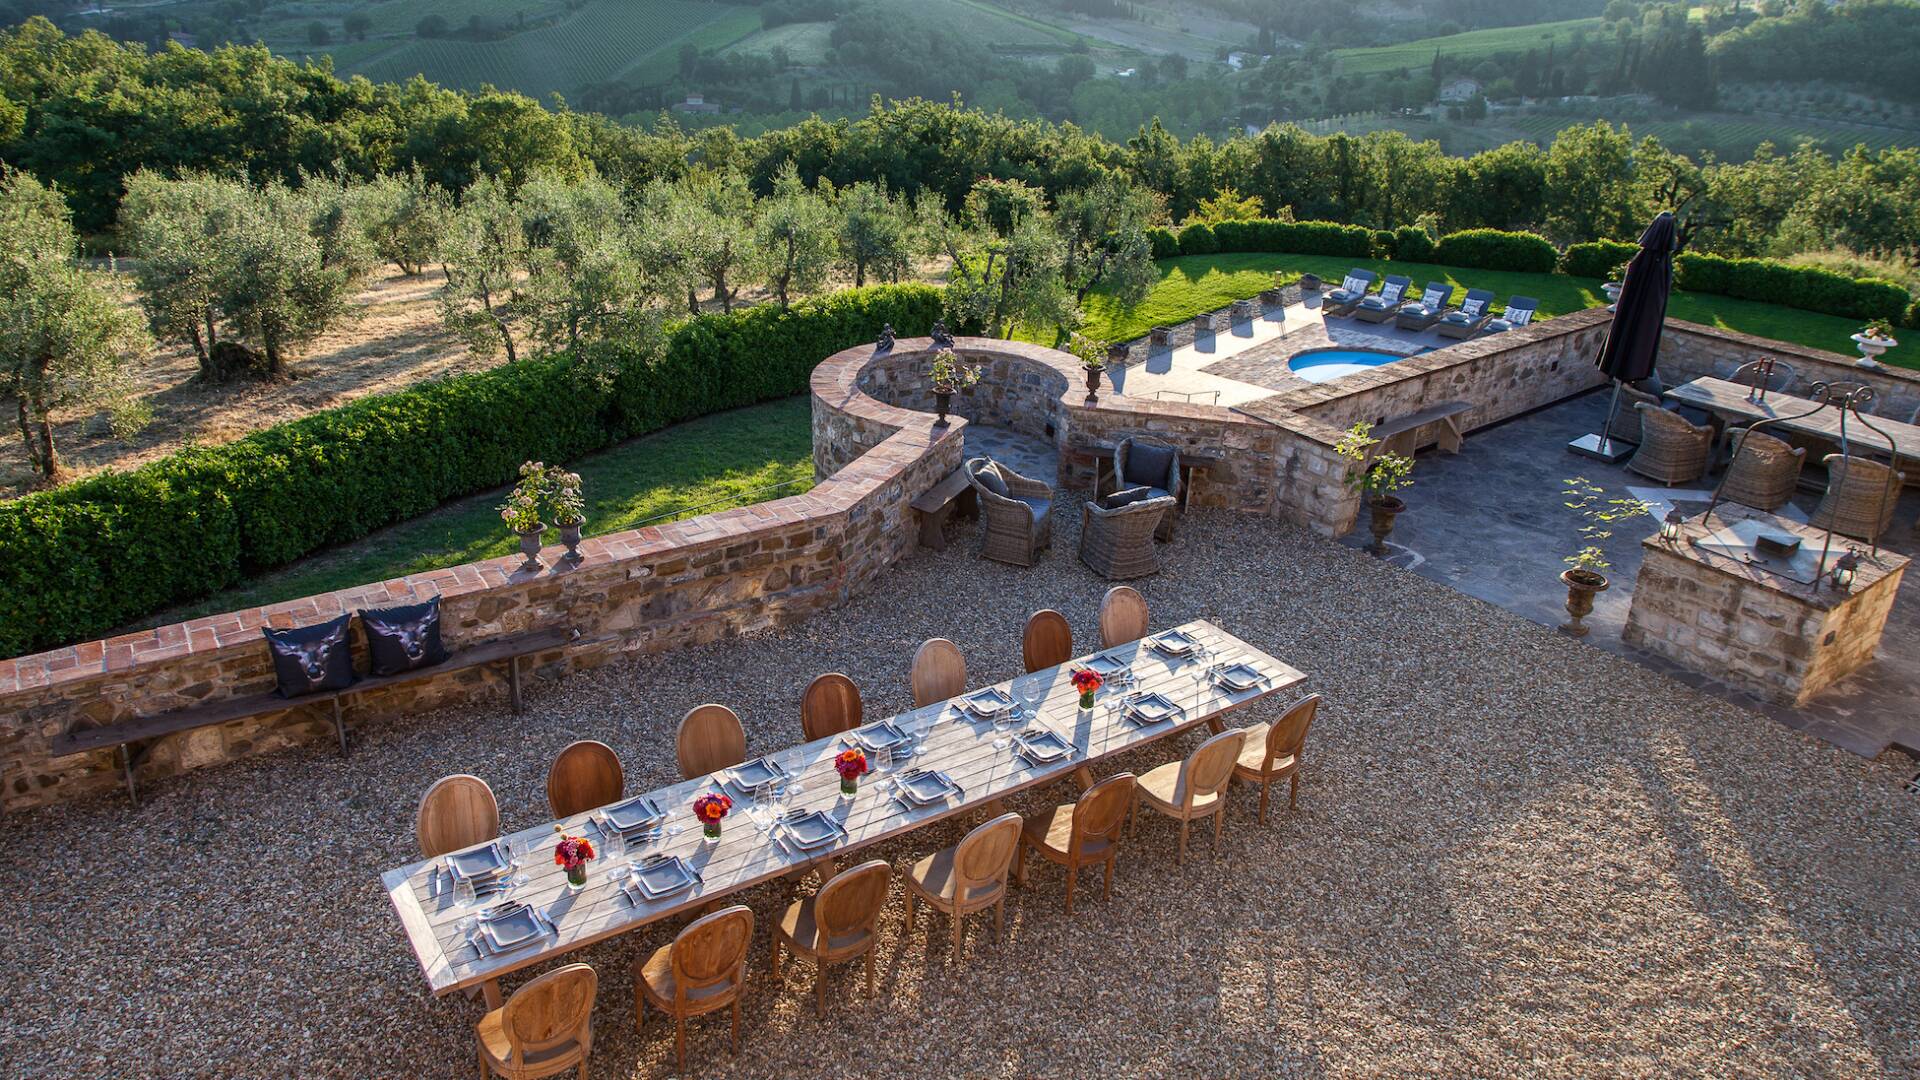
[(1124, 497), (990, 478), (1149, 465)]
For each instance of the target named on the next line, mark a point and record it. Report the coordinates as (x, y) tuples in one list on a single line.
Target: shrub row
[(82, 559), (1491, 249), (1596, 259), (1294, 237), (1807, 287)]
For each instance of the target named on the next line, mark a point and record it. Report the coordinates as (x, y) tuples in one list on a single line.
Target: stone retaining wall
[(642, 591), (1691, 350)]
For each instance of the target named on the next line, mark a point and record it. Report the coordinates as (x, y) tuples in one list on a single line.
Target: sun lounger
[(1384, 304), (1344, 299), (1476, 311), (1428, 310), (1520, 312)]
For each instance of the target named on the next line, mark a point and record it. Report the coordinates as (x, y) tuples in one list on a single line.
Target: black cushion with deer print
[(404, 638), (312, 658)]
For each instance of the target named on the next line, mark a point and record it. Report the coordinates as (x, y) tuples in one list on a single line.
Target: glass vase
[(712, 832), (577, 876)]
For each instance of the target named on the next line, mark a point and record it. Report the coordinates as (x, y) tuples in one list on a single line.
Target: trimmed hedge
[(80, 560), (1198, 240), (1596, 259), (1412, 243), (1165, 244), (1492, 249), (1295, 237), (1913, 315), (1808, 287)]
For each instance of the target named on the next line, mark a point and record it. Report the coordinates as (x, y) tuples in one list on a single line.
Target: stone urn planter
[(1309, 282), (1093, 381), (1871, 348), (1582, 585), (570, 536), (1381, 512), (1160, 335), (942, 401), (1612, 289), (530, 547)]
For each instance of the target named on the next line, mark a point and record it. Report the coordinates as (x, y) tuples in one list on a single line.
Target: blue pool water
[(1324, 364)]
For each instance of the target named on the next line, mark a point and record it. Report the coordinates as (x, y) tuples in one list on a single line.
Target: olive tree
[(1008, 261), (876, 234), (65, 339), (798, 236), (177, 230), (405, 217), (278, 288), (486, 256), (584, 281)]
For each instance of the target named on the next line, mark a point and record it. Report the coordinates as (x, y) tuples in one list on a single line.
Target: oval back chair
[(1047, 641), (970, 876), (1190, 789), (939, 672), (1272, 751), (710, 739), (1083, 834), (585, 775), (702, 970), (457, 812), (544, 1029), (1123, 616), (836, 924), (830, 705)]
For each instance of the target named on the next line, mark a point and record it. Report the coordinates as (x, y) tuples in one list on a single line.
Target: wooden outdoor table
[(745, 856), (1730, 401)]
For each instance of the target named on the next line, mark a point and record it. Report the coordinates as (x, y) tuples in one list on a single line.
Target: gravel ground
[(1514, 855)]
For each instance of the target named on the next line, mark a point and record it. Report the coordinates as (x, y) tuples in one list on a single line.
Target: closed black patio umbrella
[(1633, 341)]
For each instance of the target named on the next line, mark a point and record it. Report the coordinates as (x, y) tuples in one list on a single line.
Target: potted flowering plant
[(1873, 339), (1388, 473), (1087, 681), (521, 511), (569, 508), (949, 374), (1587, 574), (712, 809), (851, 765), (573, 853), (1092, 354)]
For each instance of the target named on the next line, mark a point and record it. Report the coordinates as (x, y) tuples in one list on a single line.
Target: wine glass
[(464, 894), (1201, 670), (761, 814), (518, 847)]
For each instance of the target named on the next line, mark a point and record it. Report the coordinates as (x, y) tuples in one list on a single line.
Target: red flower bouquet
[(851, 765), (573, 853), (1086, 680), (712, 809)]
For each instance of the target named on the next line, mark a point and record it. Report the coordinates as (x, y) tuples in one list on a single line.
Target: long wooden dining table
[(1733, 402), (957, 743)]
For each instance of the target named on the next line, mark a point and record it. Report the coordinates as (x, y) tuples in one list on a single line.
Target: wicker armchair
[(1149, 463), (1672, 448), (1626, 421), (1017, 512), (1116, 541), (1861, 495), (1764, 471)]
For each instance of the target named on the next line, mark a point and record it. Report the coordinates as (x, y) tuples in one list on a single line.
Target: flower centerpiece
[(851, 765), (573, 853), (1873, 339), (522, 509), (1087, 681), (712, 809), (949, 374), (569, 508), (1376, 480)]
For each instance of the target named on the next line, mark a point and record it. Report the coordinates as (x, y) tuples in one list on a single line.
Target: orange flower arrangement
[(573, 854), (851, 765), (712, 809), (1087, 681)]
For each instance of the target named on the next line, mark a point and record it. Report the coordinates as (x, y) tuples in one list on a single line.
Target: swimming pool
[(1321, 365)]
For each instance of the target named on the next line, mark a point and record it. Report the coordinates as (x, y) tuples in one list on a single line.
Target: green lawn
[(728, 459), (1194, 284)]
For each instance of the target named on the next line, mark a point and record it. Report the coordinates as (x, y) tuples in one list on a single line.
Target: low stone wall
[(646, 590), (1184, 332), (1691, 350)]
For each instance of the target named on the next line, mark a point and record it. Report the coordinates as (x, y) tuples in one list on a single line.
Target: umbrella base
[(1602, 448)]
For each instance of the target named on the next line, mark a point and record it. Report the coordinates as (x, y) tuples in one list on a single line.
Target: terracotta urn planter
[(1381, 511), (1582, 585)]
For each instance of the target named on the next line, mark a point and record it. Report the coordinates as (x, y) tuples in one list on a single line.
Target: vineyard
[(1730, 137), (600, 41), (1471, 46)]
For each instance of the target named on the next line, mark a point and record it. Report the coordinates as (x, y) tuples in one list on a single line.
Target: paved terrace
[(1514, 854)]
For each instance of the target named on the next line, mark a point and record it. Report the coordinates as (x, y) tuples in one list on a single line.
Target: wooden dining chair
[(457, 812), (939, 672), (1272, 752), (702, 970), (1082, 834), (830, 706), (544, 1029), (585, 775), (836, 924), (1123, 616), (710, 739), (1047, 641), (970, 876), (1190, 789)]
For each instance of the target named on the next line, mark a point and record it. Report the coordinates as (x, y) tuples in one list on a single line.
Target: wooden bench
[(1401, 434), (937, 504), (146, 731)]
